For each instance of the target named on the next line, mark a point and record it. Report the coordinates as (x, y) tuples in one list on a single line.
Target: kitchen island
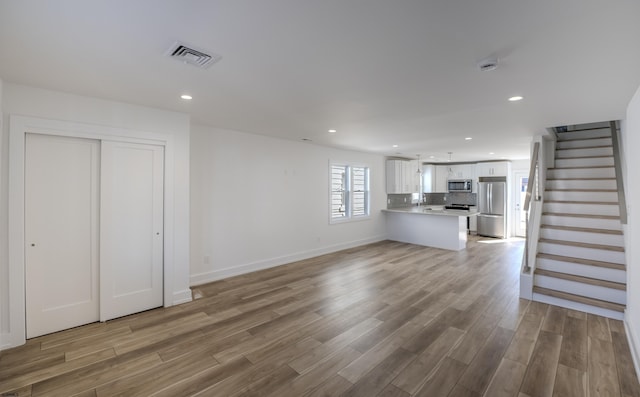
[(429, 226)]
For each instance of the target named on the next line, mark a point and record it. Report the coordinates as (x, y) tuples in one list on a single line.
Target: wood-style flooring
[(386, 319)]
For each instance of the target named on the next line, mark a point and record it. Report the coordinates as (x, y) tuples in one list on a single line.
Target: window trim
[(349, 217)]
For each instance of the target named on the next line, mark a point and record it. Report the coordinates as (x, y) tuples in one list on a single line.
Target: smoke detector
[(488, 64), (188, 54)]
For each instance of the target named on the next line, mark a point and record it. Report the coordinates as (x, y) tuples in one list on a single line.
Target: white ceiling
[(381, 72)]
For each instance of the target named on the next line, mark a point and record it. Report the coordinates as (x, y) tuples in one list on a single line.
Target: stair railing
[(615, 142), (532, 184)]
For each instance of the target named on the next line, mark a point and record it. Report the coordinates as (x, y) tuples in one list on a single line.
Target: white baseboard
[(634, 345), (215, 275), (183, 296), (3, 344)]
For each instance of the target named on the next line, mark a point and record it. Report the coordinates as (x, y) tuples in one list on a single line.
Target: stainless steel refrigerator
[(492, 205)]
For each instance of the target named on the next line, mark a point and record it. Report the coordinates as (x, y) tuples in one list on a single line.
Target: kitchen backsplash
[(462, 198), (404, 200), (398, 200)]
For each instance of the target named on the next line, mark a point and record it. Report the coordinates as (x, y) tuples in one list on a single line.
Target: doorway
[(93, 230), (520, 185)]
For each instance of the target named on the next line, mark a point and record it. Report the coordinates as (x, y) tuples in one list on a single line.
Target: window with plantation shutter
[(338, 191), (349, 192)]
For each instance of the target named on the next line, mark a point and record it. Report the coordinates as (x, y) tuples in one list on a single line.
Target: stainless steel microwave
[(459, 185)]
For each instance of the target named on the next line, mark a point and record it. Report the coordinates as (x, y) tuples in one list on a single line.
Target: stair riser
[(598, 151), (599, 133), (581, 196), (581, 252), (615, 240), (600, 273), (572, 173), (578, 306), (581, 184), (587, 209), (594, 223), (584, 162), (583, 143), (576, 288)]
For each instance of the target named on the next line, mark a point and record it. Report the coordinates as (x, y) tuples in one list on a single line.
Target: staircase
[(581, 261)]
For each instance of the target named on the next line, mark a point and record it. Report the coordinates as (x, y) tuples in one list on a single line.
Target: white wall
[(631, 140), (35, 102), (4, 279), (258, 202)]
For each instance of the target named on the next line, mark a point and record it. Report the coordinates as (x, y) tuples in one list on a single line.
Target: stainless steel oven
[(459, 185)]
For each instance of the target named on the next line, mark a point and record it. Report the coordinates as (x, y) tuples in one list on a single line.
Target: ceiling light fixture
[(468, 138), (394, 146), (491, 153), (515, 98), (419, 171), (186, 97), (332, 131)]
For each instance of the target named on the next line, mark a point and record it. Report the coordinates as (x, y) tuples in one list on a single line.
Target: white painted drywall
[(258, 202), (4, 227), (631, 140), (29, 101)]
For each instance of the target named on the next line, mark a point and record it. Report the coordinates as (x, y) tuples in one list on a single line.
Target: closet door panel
[(131, 233), (61, 233)]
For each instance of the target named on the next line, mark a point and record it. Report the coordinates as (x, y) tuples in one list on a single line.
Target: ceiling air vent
[(190, 55)]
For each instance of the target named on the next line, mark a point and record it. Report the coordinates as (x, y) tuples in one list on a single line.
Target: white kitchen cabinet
[(402, 177), (394, 176), (462, 171), (428, 178), (414, 176), (494, 168), (442, 174)]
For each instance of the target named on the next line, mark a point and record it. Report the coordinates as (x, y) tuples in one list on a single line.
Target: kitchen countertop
[(432, 210)]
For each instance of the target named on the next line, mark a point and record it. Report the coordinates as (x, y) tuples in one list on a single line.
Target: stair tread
[(582, 279), (580, 299), (587, 157), (581, 215), (581, 261), (583, 190), (580, 167), (582, 202), (581, 179), (583, 139), (583, 245), (582, 229), (586, 147)]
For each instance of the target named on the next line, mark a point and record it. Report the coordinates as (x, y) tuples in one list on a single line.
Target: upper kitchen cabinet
[(428, 178), (395, 171), (494, 168), (462, 171), (402, 177), (441, 176), (413, 176)]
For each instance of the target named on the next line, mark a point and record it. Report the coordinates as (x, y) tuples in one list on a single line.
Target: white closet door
[(61, 233), (131, 228)]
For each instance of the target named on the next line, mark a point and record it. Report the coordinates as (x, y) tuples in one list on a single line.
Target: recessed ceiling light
[(515, 98), (491, 153), (332, 131), (468, 138), (186, 97), (394, 146), (432, 157)]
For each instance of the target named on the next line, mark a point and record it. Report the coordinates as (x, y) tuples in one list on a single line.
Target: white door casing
[(61, 233), (19, 127), (520, 182), (131, 228)]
